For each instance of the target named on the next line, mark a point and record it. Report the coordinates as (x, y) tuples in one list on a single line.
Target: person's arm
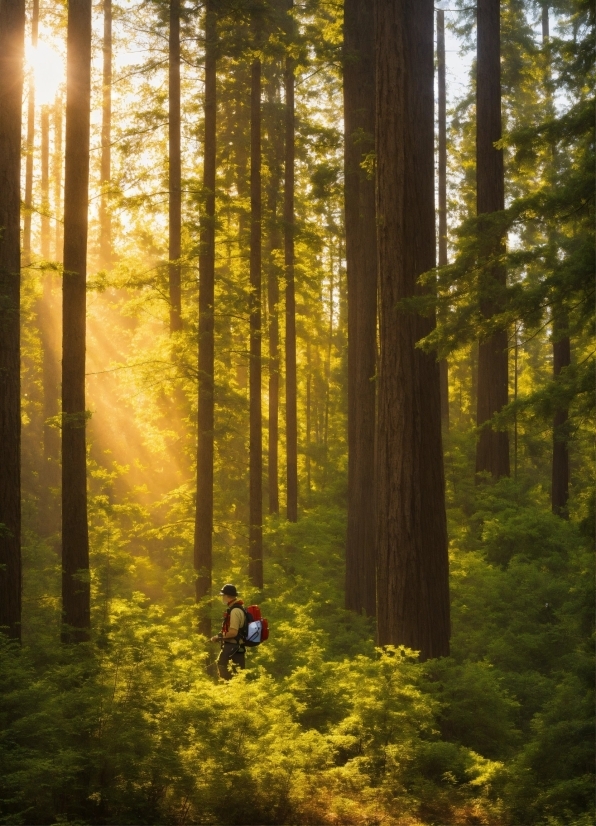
[(228, 635)]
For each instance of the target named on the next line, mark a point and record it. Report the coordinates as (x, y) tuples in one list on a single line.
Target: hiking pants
[(230, 652)]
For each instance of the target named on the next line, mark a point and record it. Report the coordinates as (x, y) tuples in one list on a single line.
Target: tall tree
[(492, 450), (255, 566), (105, 215), (561, 346), (30, 142), (12, 41), (203, 537), (361, 261), (75, 534), (49, 476), (175, 170), (274, 158), (412, 566), (290, 293), (57, 174), (442, 189)]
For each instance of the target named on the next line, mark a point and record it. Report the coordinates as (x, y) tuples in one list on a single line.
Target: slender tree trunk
[(30, 143), (561, 354), (492, 450), (442, 164), (57, 170), (308, 416), (12, 41), (361, 262), (289, 230), (175, 167), (412, 570), (105, 215), (203, 539), (50, 473), (275, 157), (75, 536), (255, 566), (560, 466)]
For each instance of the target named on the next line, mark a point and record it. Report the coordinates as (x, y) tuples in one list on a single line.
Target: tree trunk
[(412, 567), (57, 170), (203, 538), (255, 566), (75, 536), (175, 171), (30, 143), (275, 157), (12, 41), (560, 467), (442, 169), (50, 473), (361, 261), (492, 450), (105, 216), (289, 229)]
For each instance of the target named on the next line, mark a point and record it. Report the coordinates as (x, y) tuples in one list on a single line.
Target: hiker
[(231, 635)]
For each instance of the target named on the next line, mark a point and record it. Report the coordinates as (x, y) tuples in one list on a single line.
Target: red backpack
[(256, 627)]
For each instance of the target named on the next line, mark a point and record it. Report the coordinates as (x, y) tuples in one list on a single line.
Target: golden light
[(48, 71)]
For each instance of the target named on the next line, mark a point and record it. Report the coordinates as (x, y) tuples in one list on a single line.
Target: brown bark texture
[(361, 259), (28, 202), (442, 189), (105, 216), (203, 536), (290, 293), (175, 171), (412, 565), (47, 318), (75, 535), (492, 449), (560, 464), (275, 149), (255, 564), (12, 41)]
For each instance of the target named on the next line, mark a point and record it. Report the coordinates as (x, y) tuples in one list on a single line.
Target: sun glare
[(48, 71)]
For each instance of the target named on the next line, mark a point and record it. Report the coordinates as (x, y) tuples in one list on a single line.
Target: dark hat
[(229, 590)]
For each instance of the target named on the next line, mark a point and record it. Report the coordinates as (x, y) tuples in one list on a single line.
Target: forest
[(298, 297)]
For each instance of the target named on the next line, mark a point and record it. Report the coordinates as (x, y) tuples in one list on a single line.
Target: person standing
[(231, 635)]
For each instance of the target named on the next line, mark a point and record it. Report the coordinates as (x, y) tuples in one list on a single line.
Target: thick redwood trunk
[(105, 216), (12, 39), (442, 176), (75, 536), (203, 538), (175, 186), (361, 260), (412, 568), (291, 384), (492, 450), (28, 203), (255, 565)]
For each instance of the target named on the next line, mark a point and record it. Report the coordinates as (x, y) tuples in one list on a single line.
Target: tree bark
[(442, 170), (290, 295), (12, 42), (255, 566), (175, 171), (57, 170), (492, 450), (75, 536), (50, 473), (361, 261), (30, 143), (275, 157), (412, 567), (203, 538), (105, 215)]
